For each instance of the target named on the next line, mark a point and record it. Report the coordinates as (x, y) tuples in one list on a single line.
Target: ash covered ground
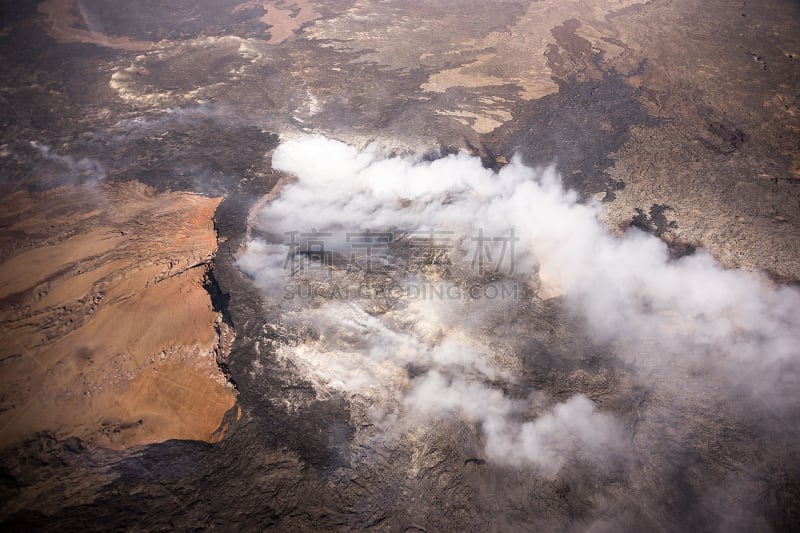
[(478, 266)]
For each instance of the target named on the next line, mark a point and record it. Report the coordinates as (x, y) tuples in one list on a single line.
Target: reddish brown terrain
[(109, 332)]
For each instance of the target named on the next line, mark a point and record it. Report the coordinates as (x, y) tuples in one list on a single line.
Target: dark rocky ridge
[(602, 110)]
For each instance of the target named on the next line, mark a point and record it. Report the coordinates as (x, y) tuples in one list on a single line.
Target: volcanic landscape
[(297, 265)]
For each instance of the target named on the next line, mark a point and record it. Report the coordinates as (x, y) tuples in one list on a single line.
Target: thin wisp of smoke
[(72, 170)]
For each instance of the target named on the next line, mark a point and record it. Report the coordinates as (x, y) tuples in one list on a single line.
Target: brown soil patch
[(109, 333), (282, 16), (62, 19)]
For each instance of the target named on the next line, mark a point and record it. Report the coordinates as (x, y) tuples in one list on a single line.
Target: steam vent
[(400, 266)]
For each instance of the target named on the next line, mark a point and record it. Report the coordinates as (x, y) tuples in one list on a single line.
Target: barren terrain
[(153, 157), (110, 334)]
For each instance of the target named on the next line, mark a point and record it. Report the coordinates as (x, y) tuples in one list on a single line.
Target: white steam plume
[(732, 323)]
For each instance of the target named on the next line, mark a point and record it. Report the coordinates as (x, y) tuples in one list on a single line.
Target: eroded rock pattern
[(111, 336)]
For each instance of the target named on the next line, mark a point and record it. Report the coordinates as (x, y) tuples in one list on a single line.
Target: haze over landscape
[(400, 266)]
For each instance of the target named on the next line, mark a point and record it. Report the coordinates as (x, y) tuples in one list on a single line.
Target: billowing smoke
[(427, 358)]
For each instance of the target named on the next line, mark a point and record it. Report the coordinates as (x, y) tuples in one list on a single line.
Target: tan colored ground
[(62, 19), (278, 16), (108, 332), (523, 56)]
